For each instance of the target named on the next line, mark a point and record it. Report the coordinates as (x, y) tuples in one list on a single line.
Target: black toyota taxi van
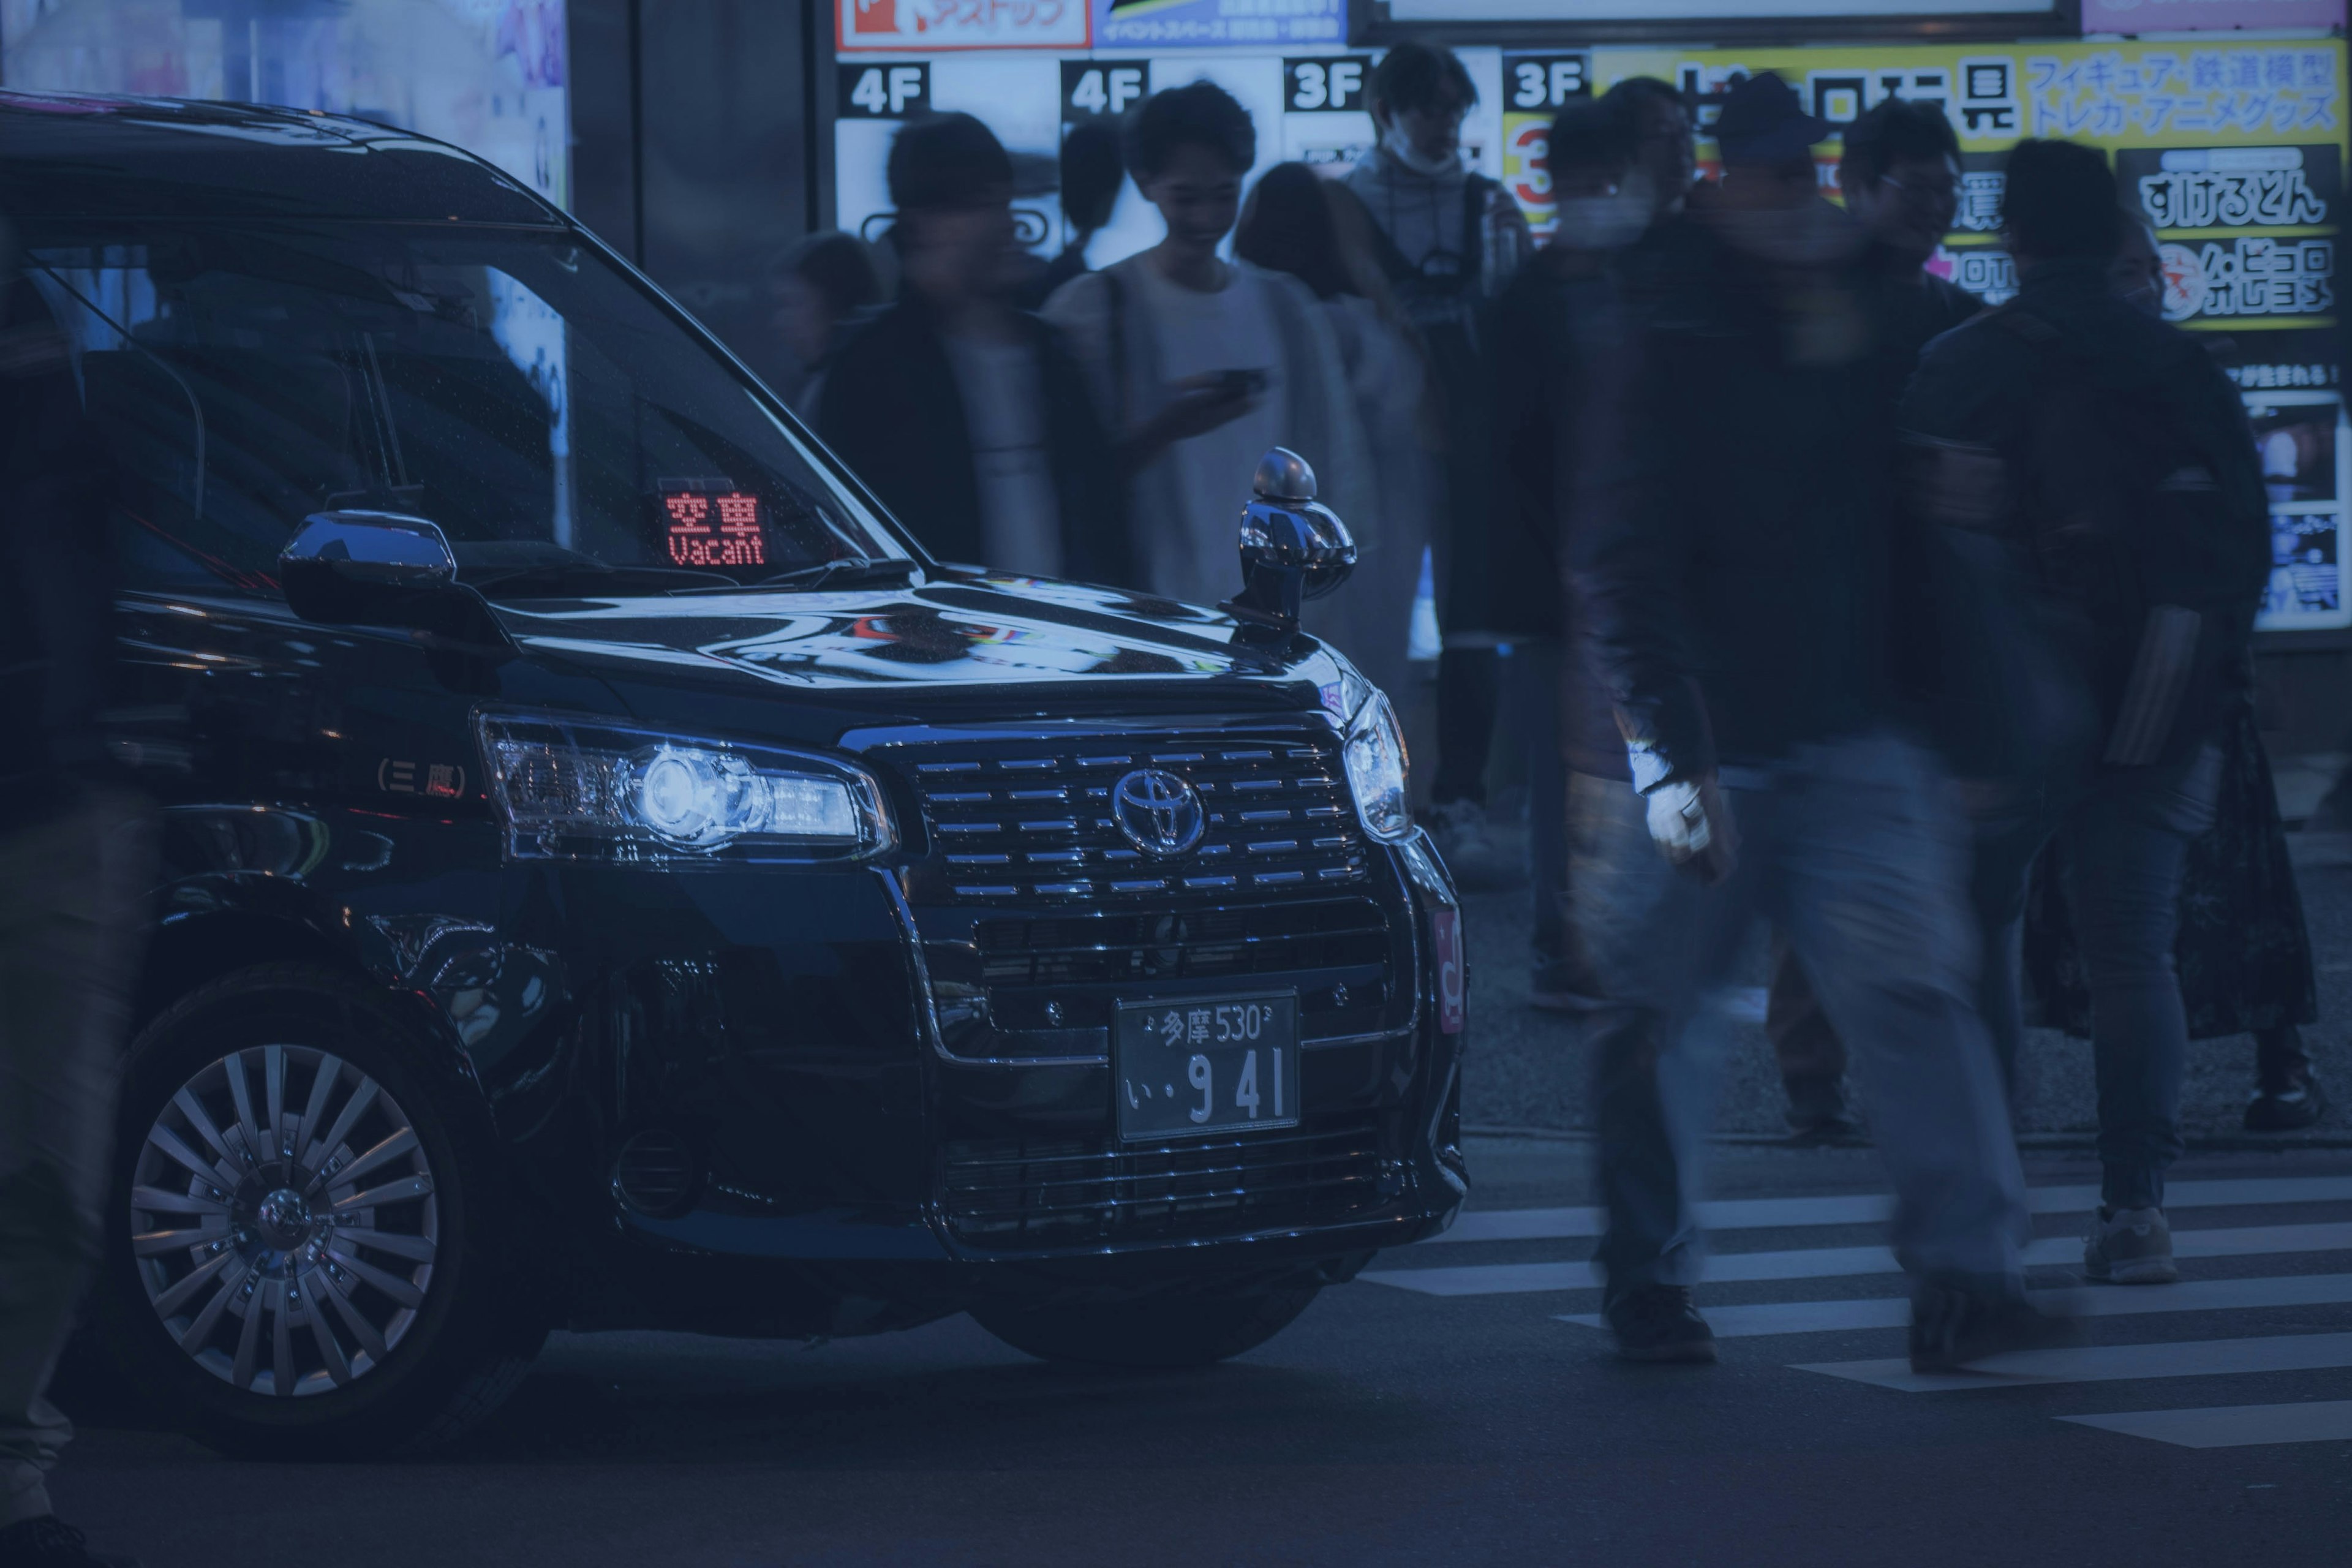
[(616, 878)]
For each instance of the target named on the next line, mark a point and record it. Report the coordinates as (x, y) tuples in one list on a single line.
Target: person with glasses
[(1899, 172)]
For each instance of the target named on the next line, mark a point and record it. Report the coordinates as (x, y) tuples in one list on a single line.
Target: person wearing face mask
[(2243, 953), (1740, 608), (1899, 170), (1449, 240), (967, 417), (2105, 457), (1201, 364), (1562, 319)]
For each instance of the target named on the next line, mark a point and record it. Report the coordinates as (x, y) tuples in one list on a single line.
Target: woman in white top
[(1201, 363), (1314, 230)]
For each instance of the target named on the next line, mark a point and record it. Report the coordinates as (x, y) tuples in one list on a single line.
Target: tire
[(392, 1322), (1151, 1333)]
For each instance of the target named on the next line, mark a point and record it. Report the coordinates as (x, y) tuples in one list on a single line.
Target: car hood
[(959, 632)]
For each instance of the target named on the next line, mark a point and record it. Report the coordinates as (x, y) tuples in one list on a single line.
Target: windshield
[(562, 429)]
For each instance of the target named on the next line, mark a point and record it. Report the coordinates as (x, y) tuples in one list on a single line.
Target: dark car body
[(783, 1099)]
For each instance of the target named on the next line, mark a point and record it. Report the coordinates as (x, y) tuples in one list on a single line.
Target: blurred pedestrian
[(1200, 365), (1899, 171), (2109, 457), (1297, 223), (2243, 953), (1560, 317), (824, 289), (1092, 174), (1448, 240), (1664, 155), (1740, 608), (966, 416), (76, 864)]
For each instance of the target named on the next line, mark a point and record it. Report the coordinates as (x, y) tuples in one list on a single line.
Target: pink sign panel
[(2184, 16)]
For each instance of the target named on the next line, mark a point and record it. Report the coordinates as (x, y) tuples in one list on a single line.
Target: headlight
[(1374, 751), (580, 790)]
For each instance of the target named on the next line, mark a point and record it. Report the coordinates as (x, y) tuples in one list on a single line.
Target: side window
[(181, 518)]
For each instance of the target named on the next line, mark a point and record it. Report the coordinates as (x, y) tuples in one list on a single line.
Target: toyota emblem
[(1158, 812)]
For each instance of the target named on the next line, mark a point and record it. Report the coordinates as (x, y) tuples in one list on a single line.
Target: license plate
[(1209, 1064)]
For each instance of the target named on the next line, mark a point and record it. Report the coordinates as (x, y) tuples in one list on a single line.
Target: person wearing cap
[(968, 416), (1740, 611)]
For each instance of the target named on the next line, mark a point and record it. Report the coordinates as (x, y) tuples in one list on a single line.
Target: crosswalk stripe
[(2109, 1301), (2232, 1426), (2106, 1363), (1870, 1208), (1828, 1262)]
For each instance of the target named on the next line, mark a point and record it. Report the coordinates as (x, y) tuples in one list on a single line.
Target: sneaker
[(2130, 1247), (1459, 829), (50, 1542), (2291, 1107), (1955, 1325), (1657, 1322)]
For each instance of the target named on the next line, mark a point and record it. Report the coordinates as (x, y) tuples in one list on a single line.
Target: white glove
[(1678, 822)]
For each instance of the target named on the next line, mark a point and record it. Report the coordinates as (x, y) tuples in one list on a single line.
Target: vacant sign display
[(711, 523)]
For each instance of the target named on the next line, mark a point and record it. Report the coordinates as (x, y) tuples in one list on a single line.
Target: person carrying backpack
[(2087, 477)]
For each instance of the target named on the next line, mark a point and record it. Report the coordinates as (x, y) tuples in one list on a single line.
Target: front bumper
[(881, 1179)]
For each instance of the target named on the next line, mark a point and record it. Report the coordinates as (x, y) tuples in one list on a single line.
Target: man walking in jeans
[(1735, 592), (2075, 443), (75, 856)]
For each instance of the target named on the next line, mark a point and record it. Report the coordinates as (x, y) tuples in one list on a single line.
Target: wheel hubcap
[(283, 1221)]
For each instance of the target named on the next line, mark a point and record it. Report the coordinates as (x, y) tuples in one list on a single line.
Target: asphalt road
[(1443, 1412)]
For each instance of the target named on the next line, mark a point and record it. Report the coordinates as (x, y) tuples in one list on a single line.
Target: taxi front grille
[(1203, 945), (1037, 1194), (1029, 822), (1047, 984)]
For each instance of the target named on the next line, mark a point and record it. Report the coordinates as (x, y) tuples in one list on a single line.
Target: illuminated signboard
[(1635, 13), (2185, 16), (711, 523), (930, 26)]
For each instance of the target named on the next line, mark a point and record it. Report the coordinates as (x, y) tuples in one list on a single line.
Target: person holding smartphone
[(1201, 365)]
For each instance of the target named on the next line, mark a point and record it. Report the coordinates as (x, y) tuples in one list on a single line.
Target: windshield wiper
[(824, 575), (562, 577)]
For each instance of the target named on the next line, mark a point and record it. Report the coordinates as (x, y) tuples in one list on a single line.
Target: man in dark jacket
[(966, 416), (1736, 594), (2076, 447), (75, 862), (1562, 317)]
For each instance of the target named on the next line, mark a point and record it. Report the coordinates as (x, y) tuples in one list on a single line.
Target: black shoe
[(2294, 1105), (1818, 1119), (50, 1542), (1564, 985), (1953, 1325), (1657, 1322)]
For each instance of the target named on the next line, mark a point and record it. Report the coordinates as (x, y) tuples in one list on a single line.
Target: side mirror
[(386, 569), (369, 568), (1293, 548)]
